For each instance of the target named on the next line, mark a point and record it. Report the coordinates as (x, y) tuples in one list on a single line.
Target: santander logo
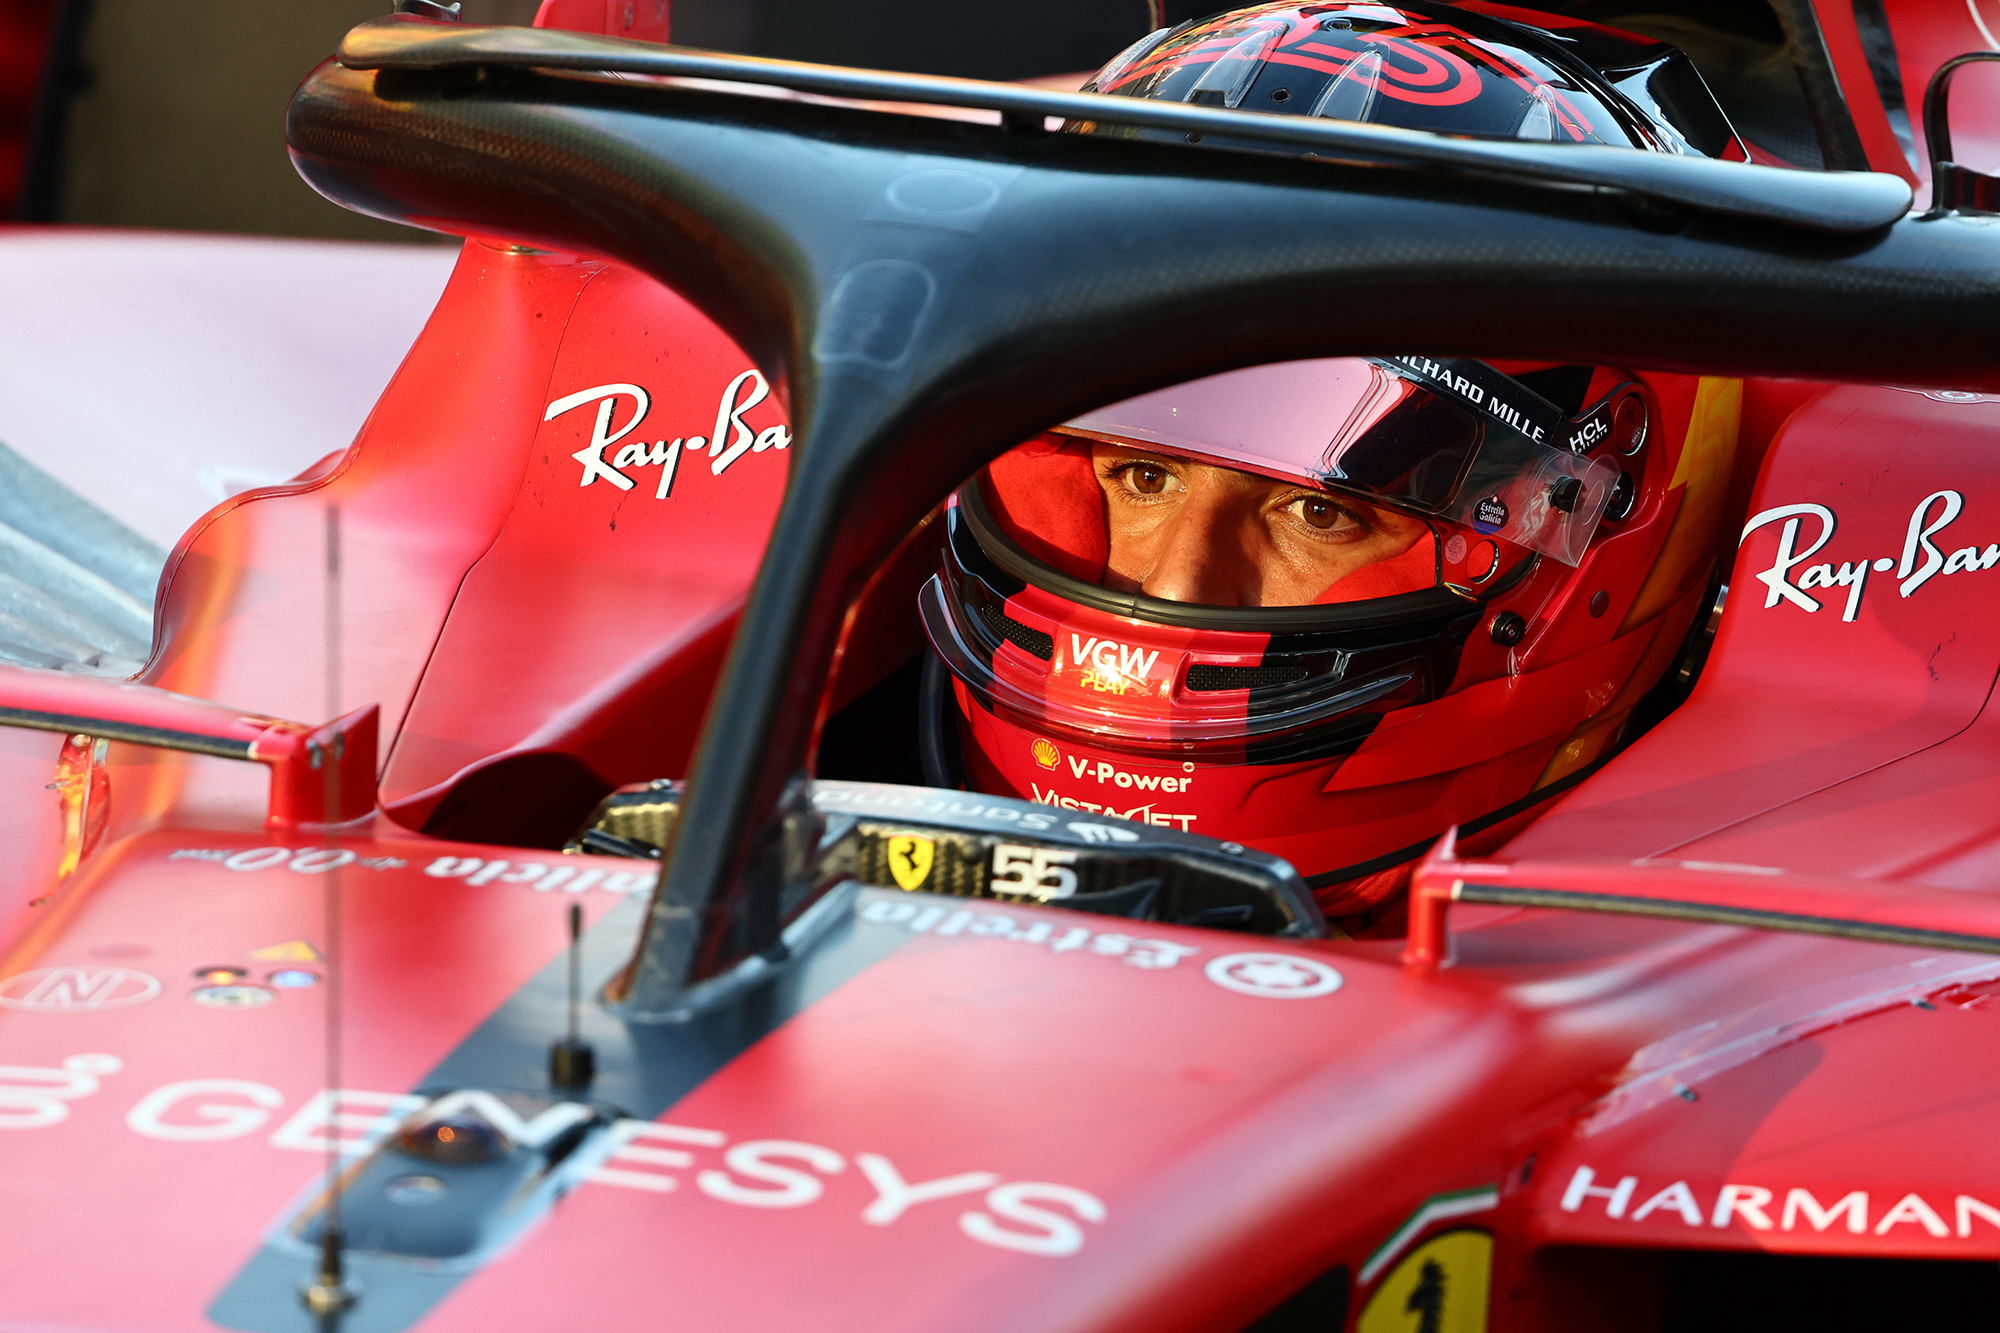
[(1794, 576)]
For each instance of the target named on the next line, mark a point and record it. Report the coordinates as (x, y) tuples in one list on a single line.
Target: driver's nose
[(1199, 554)]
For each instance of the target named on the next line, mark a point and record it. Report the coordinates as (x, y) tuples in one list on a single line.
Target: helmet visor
[(1452, 439)]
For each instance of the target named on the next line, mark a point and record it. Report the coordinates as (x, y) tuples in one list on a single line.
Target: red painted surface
[(640, 20), (1203, 1151), (608, 566)]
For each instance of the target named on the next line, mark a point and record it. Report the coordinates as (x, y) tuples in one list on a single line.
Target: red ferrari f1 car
[(739, 852)]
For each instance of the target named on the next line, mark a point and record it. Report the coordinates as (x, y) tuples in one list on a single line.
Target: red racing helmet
[(1489, 70), (1558, 539)]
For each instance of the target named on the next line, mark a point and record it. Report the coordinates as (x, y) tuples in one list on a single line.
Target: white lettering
[(1588, 434), (1111, 657), (792, 1188), (895, 1196), (1055, 1236), (321, 859), (1922, 559), (1854, 1204), (1029, 870), (1919, 538), (309, 861), (624, 1149), (1967, 1206), (1138, 814), (1774, 578), (1677, 1197), (258, 858), (1853, 577), (1912, 1208), (1745, 1201), (32, 1096), (729, 422), (225, 1120), (602, 436), (1615, 1198), (998, 925), (1158, 953), (668, 458)]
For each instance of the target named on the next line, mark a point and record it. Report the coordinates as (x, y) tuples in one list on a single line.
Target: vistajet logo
[(1138, 814)]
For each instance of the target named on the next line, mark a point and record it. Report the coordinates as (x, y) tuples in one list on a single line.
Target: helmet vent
[(1013, 631), (1226, 80), (1351, 96), (1208, 676)]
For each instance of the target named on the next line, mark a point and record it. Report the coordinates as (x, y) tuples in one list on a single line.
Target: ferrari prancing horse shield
[(910, 858)]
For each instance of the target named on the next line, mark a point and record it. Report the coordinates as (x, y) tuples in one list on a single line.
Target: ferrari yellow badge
[(1439, 1288), (910, 859)]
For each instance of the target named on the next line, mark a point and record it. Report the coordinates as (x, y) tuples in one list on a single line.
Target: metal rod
[(329, 1296), (575, 969), (191, 742), (1709, 913)]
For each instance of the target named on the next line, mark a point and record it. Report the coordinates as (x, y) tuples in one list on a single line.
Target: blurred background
[(198, 322), (169, 113)]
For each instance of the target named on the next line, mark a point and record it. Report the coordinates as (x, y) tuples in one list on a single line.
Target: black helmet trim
[(1312, 720)]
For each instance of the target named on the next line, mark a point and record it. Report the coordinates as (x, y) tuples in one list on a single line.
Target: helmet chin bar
[(912, 348)]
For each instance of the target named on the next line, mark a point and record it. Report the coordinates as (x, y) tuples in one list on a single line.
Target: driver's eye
[(1319, 513), (1147, 480)]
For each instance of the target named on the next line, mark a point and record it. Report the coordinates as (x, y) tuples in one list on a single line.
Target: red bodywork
[(1101, 1131)]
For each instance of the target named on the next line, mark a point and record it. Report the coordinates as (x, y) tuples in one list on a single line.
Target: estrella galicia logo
[(1490, 514)]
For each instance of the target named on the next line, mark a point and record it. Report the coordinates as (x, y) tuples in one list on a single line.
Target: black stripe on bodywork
[(1390, 860), (642, 1069)]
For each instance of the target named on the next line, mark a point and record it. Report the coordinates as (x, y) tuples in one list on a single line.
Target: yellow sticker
[(1439, 1287), (1045, 752), (910, 858), (292, 951)]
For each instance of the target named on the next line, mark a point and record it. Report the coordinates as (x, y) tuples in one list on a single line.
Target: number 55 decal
[(1028, 870)]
